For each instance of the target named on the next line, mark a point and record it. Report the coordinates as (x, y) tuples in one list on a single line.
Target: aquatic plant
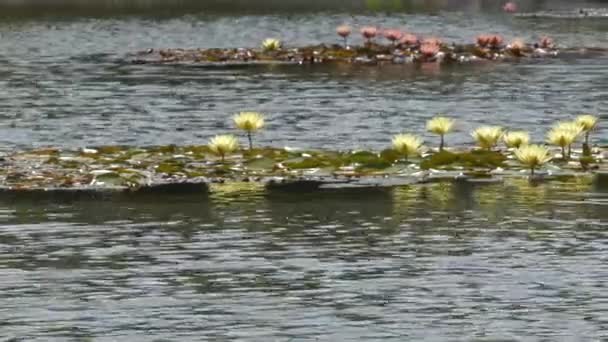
[(517, 46), (407, 144), (564, 134), (516, 139), (369, 33), (483, 40), (510, 7), (495, 41), (429, 50), (441, 126), (344, 31), (393, 35), (250, 122), (430, 47), (533, 156), (222, 145), (271, 44), (409, 39), (487, 136), (546, 43), (588, 123), (489, 40)]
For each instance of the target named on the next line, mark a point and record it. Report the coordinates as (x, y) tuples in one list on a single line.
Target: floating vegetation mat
[(581, 13), (408, 52), (192, 168)]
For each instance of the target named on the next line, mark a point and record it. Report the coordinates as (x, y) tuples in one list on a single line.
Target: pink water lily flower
[(409, 39), (344, 31), (369, 33), (510, 7), (429, 50), (393, 35), (546, 43)]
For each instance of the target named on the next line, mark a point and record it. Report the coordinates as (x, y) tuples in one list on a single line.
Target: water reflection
[(246, 260)]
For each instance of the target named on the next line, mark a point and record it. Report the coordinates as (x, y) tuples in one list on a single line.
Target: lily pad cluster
[(134, 167), (402, 48)]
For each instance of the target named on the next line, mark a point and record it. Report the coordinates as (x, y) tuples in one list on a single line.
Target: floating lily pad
[(170, 167), (477, 158), (110, 149), (304, 163), (261, 164)]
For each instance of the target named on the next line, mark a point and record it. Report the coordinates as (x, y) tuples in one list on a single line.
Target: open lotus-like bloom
[(571, 126), (588, 124), (409, 39), (249, 122), (441, 126), (487, 136), (517, 46), (430, 47), (564, 134), (428, 50), (369, 32), (516, 139), (407, 144), (546, 43), (533, 156), (271, 44), (510, 7), (483, 40), (221, 145), (495, 41), (393, 35), (344, 31)]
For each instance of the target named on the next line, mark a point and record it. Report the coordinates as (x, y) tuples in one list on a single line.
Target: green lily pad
[(170, 167), (477, 158), (261, 164), (304, 163)]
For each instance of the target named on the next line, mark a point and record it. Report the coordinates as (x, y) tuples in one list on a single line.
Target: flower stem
[(441, 144), (250, 141)]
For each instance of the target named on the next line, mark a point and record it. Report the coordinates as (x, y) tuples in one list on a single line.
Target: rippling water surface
[(437, 262), (433, 262), (64, 80)]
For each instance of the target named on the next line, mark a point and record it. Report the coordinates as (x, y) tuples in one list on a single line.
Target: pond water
[(64, 80), (437, 262)]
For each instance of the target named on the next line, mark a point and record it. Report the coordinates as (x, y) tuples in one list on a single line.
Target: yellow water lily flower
[(221, 145), (588, 123), (572, 126), (487, 136), (564, 134), (441, 126), (271, 44), (249, 122), (407, 144), (533, 156), (516, 139)]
